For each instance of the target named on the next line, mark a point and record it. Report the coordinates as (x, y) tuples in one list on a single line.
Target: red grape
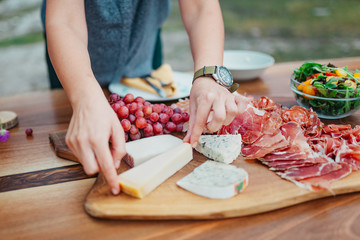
[(135, 136), (126, 124), (133, 107), (170, 126), (121, 103), (163, 118), (156, 108), (176, 118), (185, 116), (163, 106), (177, 110), (113, 97), (179, 127), (29, 132), (148, 130), (147, 104), (139, 113), (132, 118), (140, 106), (168, 111), (129, 98), (133, 129), (123, 112), (141, 123), (147, 110), (154, 117), (116, 106), (139, 100), (157, 128)]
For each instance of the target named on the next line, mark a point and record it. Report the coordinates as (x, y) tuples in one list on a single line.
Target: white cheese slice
[(146, 148), (221, 148), (215, 180), (143, 179)]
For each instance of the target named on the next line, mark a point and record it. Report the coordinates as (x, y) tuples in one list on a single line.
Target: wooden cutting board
[(266, 192)]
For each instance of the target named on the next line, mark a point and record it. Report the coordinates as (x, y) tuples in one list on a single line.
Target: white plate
[(245, 65), (183, 81)]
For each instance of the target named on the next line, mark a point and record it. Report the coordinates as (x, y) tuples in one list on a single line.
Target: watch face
[(225, 76)]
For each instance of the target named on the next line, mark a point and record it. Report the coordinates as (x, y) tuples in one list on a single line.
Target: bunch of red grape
[(140, 118)]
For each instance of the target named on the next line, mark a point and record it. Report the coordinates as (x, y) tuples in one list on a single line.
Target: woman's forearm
[(67, 45), (204, 24)]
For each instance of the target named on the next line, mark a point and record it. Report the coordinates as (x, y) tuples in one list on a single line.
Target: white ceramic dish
[(183, 81), (246, 65)]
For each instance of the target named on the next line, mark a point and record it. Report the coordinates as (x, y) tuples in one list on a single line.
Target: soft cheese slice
[(143, 149), (143, 179), (221, 148), (215, 180)]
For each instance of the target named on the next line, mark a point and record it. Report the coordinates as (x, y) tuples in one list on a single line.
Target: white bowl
[(246, 65)]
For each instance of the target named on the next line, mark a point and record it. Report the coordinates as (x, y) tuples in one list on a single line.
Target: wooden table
[(42, 196)]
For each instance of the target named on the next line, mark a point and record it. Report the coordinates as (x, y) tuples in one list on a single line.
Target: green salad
[(329, 90)]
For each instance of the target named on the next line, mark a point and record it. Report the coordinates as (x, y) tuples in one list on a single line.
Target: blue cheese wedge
[(221, 148), (215, 180)]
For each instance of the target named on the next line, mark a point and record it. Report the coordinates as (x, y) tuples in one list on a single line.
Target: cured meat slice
[(248, 124), (271, 123), (323, 182), (297, 114), (284, 156), (332, 128), (265, 103), (284, 167), (264, 145), (316, 170), (349, 154)]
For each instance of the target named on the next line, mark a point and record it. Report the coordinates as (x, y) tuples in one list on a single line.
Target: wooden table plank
[(56, 211), (44, 112)]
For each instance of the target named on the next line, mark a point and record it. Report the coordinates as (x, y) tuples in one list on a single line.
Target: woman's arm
[(204, 24), (93, 122)]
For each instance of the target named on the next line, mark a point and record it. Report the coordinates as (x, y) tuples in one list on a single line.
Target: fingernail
[(194, 144), (115, 191), (117, 163)]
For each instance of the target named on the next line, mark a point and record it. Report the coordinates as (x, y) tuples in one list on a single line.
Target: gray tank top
[(122, 36)]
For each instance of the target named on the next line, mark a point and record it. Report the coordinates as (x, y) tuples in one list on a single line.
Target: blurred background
[(286, 29)]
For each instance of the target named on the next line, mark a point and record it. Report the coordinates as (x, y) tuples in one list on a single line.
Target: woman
[(94, 42)]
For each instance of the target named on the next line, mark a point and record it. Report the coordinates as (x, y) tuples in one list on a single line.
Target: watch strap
[(205, 71)]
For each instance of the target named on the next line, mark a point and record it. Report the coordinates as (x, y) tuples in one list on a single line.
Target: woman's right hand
[(92, 126)]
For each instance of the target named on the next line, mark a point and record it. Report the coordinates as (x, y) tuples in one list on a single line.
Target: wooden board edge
[(94, 210)]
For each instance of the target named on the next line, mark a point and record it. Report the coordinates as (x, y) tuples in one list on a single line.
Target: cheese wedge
[(143, 179), (215, 180), (221, 148), (145, 148)]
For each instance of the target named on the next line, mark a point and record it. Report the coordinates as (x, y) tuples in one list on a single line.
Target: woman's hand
[(92, 125), (211, 106)]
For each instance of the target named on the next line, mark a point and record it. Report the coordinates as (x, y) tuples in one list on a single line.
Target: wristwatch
[(220, 74)]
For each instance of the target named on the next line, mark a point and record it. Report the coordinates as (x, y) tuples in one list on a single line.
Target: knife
[(159, 91)]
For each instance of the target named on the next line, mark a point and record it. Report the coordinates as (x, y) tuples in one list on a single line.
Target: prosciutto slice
[(323, 181)]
